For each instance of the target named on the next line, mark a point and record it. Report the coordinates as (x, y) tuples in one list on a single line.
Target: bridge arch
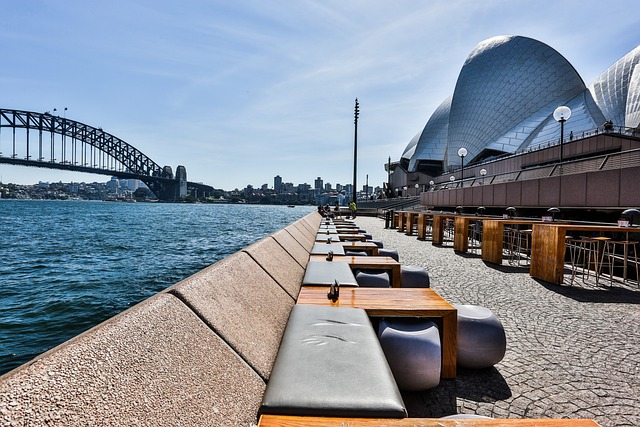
[(47, 140)]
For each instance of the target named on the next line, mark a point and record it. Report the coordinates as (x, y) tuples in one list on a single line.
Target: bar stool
[(508, 240), (582, 253), (428, 227), (611, 246), (523, 245), (602, 249), (448, 228), (475, 236)]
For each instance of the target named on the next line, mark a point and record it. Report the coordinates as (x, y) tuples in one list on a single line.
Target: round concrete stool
[(373, 280), (413, 351), (393, 253), (413, 276), (481, 339)]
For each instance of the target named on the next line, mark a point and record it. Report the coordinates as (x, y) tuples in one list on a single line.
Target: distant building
[(113, 184), (288, 187), (318, 184), (304, 188), (277, 184)]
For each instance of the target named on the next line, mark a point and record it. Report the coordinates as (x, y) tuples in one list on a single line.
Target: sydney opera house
[(496, 141)]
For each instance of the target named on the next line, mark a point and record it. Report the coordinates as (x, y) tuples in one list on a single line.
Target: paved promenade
[(572, 352)]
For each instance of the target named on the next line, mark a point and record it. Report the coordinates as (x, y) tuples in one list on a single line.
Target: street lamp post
[(483, 173), (355, 149), (389, 177), (561, 115), (406, 194), (417, 186), (462, 152), (366, 188)]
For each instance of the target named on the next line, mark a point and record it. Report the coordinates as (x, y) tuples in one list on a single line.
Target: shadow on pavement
[(481, 385), (600, 294)]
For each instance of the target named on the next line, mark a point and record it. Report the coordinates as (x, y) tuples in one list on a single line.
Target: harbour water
[(66, 266)]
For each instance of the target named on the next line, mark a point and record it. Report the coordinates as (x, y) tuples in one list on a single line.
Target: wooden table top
[(595, 228), (301, 421), (355, 236), (325, 238), (515, 221), (327, 231), (346, 245), (406, 302)]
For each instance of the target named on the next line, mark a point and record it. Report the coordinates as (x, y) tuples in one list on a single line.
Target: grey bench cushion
[(324, 273), (330, 363)]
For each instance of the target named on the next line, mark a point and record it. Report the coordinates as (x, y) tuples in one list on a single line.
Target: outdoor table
[(327, 231), (323, 248), (411, 218), (369, 247), (321, 272), (347, 230), (405, 302), (461, 231), (548, 247), (437, 233), (493, 235), (402, 215), (325, 237), (354, 236), (368, 263), (423, 218), (324, 227)]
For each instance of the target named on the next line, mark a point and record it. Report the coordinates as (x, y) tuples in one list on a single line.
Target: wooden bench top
[(292, 421)]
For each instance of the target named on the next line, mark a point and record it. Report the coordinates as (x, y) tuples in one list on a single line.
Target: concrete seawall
[(198, 353)]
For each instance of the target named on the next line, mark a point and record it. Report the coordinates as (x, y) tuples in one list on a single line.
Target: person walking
[(352, 208)]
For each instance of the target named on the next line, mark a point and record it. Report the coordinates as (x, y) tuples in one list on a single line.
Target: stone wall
[(198, 353)]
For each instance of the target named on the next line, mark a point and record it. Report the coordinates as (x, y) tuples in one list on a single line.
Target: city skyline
[(335, 186), (241, 92)]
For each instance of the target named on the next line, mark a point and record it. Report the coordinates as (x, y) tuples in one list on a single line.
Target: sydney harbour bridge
[(47, 140)]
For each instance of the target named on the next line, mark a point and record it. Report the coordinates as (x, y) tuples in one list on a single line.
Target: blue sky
[(241, 91)]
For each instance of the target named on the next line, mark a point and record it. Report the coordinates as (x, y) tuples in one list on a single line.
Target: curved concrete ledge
[(198, 353), (243, 305)]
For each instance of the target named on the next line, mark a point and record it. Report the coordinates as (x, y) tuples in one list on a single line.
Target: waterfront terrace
[(202, 352)]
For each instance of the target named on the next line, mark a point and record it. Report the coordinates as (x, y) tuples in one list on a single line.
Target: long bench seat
[(330, 363)]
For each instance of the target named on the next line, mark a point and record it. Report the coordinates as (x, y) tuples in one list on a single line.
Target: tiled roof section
[(411, 147), (432, 144), (633, 100), (612, 88), (503, 87)]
